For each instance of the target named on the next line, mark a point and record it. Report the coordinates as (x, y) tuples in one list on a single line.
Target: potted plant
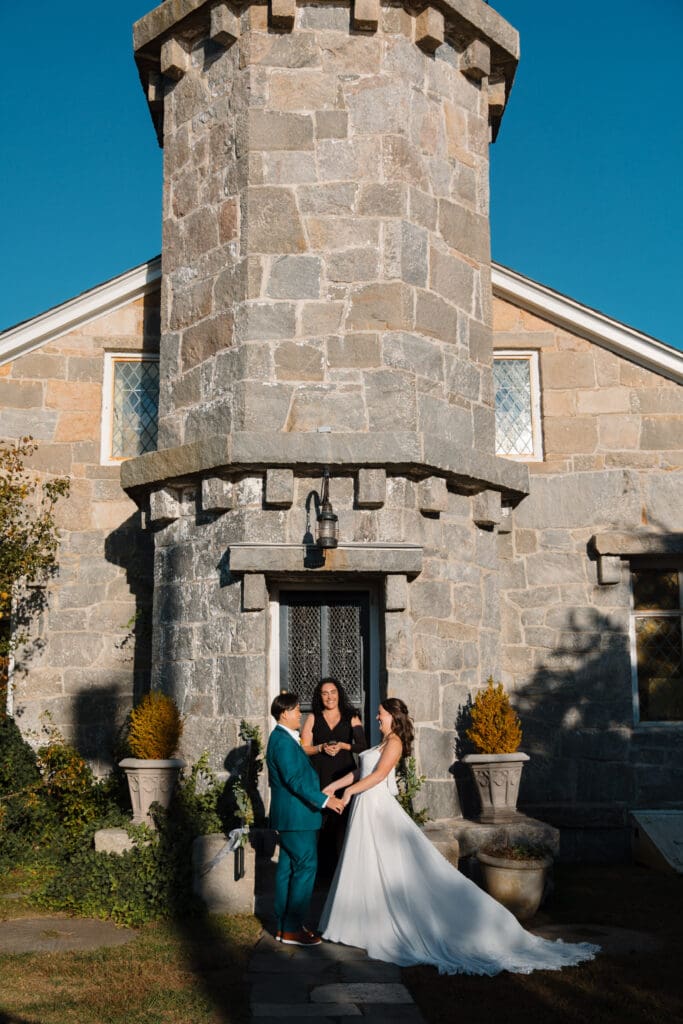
[(496, 733), (515, 875), (153, 735)]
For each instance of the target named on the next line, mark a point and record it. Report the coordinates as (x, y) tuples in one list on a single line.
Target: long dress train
[(397, 897)]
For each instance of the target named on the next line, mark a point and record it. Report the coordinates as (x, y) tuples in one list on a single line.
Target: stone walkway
[(325, 983)]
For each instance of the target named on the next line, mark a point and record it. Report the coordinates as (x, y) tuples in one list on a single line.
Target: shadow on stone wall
[(131, 548), (587, 767)]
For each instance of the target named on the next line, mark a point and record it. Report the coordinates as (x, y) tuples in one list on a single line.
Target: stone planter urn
[(497, 778), (516, 883), (150, 782)]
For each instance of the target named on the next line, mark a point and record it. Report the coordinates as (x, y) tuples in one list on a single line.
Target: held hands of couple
[(335, 804)]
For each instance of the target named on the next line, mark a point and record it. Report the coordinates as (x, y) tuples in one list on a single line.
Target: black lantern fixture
[(328, 523)]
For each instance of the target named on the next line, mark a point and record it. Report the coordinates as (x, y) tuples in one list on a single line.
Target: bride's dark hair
[(402, 723)]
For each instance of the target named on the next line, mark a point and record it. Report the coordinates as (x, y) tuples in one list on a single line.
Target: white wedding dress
[(397, 897)]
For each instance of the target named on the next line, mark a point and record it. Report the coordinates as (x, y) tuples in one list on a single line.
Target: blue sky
[(586, 190)]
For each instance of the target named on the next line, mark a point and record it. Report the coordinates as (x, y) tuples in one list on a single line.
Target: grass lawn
[(643, 987), (189, 972)]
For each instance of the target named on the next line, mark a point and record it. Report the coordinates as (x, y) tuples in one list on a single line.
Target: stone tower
[(326, 304)]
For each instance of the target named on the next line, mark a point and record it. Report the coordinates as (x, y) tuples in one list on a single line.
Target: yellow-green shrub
[(155, 727), (495, 725)]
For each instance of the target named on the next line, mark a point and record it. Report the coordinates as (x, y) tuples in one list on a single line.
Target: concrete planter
[(517, 884), (497, 778), (215, 875), (150, 782)]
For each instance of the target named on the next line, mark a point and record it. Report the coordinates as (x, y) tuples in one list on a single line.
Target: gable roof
[(507, 284), (104, 298)]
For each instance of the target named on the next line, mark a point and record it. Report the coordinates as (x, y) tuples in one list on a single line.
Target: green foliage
[(409, 785), (495, 725), (155, 727), (29, 536), (517, 851), (245, 784), (25, 814)]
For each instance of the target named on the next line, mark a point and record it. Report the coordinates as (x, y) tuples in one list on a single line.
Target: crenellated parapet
[(481, 43)]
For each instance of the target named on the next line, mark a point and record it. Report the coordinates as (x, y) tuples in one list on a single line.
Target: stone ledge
[(402, 452), (270, 559), (637, 542)]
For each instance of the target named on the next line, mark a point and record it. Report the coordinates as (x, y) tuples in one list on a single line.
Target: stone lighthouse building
[(326, 310)]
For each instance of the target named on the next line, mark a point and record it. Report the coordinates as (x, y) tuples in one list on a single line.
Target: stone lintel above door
[(403, 559)]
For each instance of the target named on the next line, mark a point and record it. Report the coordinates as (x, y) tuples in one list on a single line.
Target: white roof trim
[(587, 323), (507, 284), (27, 336)]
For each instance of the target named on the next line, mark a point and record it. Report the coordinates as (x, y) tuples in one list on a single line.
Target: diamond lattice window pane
[(655, 590), (304, 651), (512, 380), (136, 404), (660, 668), (345, 649)]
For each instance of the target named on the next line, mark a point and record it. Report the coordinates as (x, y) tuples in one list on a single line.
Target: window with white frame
[(130, 405), (657, 643), (518, 405)]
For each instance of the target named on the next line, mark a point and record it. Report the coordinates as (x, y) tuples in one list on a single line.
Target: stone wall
[(326, 241), (613, 437), (84, 663)]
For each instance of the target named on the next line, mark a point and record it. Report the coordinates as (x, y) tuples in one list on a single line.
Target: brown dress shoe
[(302, 938)]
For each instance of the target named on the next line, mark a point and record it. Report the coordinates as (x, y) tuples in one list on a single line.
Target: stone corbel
[(395, 593), (279, 490), (429, 29), (283, 14), (475, 62), (217, 494), (225, 26), (432, 495), (609, 569), (486, 509), (366, 15), (372, 488), (164, 506), (496, 96), (254, 592), (155, 91), (174, 58)]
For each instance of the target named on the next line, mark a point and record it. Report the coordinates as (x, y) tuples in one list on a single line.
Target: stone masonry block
[(282, 14), (609, 569), (486, 508), (164, 505), (372, 488), (279, 487), (475, 62), (429, 29), (395, 593), (225, 26), (174, 59), (496, 97), (254, 592), (432, 494), (366, 15), (217, 494)]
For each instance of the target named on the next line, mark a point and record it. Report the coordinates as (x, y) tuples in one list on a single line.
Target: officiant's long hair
[(402, 722), (346, 708)]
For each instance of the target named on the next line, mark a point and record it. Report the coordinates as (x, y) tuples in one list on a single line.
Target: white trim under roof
[(587, 323), (27, 336), (507, 284)]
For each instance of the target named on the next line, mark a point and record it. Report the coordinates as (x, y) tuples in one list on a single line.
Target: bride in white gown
[(397, 897)]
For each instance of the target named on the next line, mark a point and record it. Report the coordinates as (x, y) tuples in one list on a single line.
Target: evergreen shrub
[(495, 727)]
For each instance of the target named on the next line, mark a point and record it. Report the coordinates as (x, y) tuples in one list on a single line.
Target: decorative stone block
[(366, 15), (217, 494), (496, 96), (432, 494), (282, 14), (372, 488), (429, 29), (214, 875), (475, 62), (395, 593), (164, 506), (225, 26), (486, 508), (155, 90), (609, 569), (505, 524), (112, 840), (254, 592), (174, 59), (279, 487)]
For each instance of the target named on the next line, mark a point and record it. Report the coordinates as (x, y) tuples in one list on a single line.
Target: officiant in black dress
[(331, 735)]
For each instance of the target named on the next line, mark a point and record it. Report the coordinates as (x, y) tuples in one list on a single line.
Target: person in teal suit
[(296, 802)]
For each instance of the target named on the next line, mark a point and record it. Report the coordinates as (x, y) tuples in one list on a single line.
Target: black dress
[(331, 837)]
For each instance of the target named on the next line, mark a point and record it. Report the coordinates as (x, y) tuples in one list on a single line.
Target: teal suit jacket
[(295, 798)]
